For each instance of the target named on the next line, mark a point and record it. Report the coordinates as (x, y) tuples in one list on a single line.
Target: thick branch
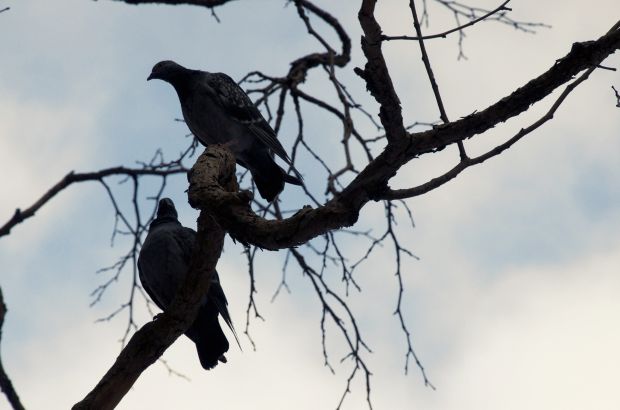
[(582, 56), (468, 162), (232, 209), (150, 342), (5, 383), (376, 75)]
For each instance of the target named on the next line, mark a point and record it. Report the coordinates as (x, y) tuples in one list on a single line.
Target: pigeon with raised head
[(218, 111), (163, 264)]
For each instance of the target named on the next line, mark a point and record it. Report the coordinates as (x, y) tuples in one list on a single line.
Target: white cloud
[(538, 338)]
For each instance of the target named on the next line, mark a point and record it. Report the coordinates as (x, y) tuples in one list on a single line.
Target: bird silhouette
[(218, 111), (163, 264)]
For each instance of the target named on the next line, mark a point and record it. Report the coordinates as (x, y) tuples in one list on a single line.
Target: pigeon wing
[(146, 285), (187, 237), (216, 293), (164, 261), (240, 108)]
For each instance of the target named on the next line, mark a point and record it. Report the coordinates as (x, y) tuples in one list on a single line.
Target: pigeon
[(163, 263), (218, 111)]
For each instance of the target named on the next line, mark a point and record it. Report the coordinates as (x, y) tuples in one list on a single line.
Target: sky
[(514, 301)]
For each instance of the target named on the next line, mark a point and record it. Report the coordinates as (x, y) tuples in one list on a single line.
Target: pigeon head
[(166, 71), (166, 209)]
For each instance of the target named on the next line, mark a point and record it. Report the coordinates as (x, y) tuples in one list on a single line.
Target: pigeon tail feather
[(221, 307), (269, 186), (293, 180), (206, 333)]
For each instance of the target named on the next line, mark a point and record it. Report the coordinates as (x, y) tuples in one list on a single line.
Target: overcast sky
[(513, 304)]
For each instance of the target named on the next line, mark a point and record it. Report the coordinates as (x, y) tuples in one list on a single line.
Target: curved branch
[(343, 58), (233, 212)]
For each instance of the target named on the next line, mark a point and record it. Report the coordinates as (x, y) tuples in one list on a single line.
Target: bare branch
[(399, 251), (582, 56), (463, 11), (204, 3), (444, 34), (376, 75), (469, 12), (250, 253), (431, 76), (19, 216), (464, 164), (353, 337), (5, 382)]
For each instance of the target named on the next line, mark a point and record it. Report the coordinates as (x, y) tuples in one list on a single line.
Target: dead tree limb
[(71, 178), (5, 382)]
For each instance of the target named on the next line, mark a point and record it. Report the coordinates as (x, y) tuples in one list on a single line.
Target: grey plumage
[(217, 111), (163, 264)]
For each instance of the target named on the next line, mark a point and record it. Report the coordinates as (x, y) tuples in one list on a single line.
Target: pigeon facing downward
[(218, 111), (163, 263)]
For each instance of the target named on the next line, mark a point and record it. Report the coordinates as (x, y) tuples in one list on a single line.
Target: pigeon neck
[(164, 219), (182, 81)]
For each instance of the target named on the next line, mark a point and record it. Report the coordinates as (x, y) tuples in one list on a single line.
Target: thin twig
[(445, 33)]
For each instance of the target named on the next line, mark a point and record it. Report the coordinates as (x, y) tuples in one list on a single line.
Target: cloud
[(537, 338)]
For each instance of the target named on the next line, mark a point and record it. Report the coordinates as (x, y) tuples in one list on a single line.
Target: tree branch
[(376, 75), (203, 3), (582, 56), (444, 34), (617, 95), (5, 383), (468, 162), (19, 216), (431, 76), (233, 212)]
